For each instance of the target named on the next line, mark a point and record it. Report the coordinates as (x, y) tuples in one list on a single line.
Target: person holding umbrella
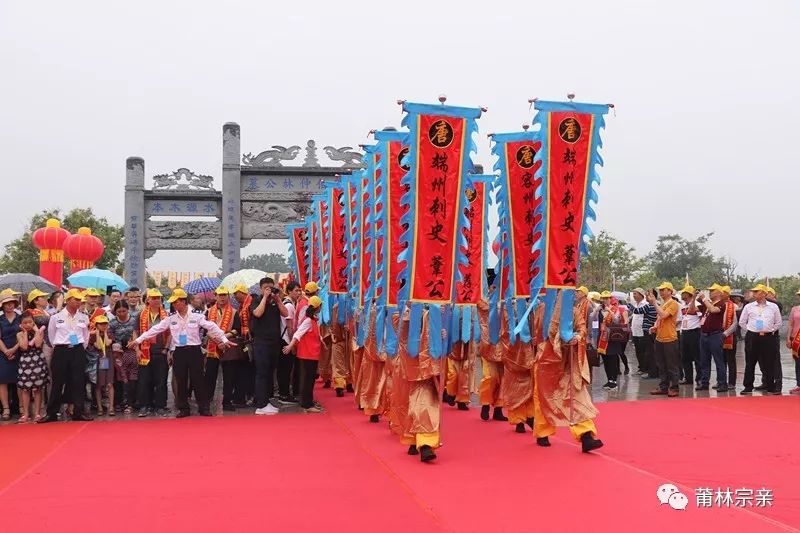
[(187, 356), (69, 333)]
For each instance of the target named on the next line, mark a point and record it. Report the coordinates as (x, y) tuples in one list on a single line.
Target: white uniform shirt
[(189, 325), (288, 318), (62, 325), (761, 318)]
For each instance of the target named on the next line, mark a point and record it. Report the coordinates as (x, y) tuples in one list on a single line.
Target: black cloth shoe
[(462, 406), (723, 388), (327, 384), (485, 412), (339, 393), (589, 443), (350, 387), (529, 421), (228, 407), (82, 418), (498, 415), (426, 453), (543, 441), (760, 387), (746, 391), (412, 450), (143, 412), (48, 419), (205, 412), (701, 387), (520, 428), (182, 414), (288, 400), (449, 400), (374, 418)]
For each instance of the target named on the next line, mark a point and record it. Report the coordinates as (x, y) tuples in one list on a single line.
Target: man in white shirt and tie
[(761, 320), (187, 357)]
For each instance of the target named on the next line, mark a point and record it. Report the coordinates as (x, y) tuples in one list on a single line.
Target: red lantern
[(83, 249), (50, 242)]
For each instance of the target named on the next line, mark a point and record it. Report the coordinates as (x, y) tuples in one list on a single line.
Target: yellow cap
[(92, 292), (715, 287), (73, 293), (605, 294), (312, 287), (770, 290), (584, 290), (726, 289), (666, 285), (177, 294), (224, 290), (35, 293), (154, 293), (315, 302), (241, 287), (688, 289), (759, 288), (101, 319), (594, 296)]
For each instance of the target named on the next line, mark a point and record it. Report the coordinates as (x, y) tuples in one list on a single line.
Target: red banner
[(300, 245), (521, 190), (313, 250), (393, 266), (440, 148), (469, 291), (365, 261), (377, 205), (569, 141), (323, 224), (338, 256)]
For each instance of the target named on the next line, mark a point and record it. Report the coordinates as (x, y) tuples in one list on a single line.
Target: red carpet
[(337, 472)]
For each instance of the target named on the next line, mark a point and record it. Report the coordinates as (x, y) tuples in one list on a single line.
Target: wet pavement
[(631, 387)]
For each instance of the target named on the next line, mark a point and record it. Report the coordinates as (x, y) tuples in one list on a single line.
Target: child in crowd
[(309, 346), (100, 349), (33, 375)]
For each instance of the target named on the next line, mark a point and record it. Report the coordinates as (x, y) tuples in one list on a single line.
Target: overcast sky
[(704, 137)]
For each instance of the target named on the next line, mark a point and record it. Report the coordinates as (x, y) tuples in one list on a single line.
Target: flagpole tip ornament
[(401, 102), (442, 98), (525, 127), (571, 96)]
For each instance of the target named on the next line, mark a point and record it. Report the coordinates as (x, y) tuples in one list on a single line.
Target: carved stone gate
[(260, 195)]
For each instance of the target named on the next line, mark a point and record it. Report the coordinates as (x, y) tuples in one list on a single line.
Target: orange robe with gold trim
[(373, 374), (563, 378), (399, 390), (489, 392), (517, 388)]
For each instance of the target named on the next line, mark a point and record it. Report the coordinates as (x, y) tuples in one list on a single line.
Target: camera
[(275, 290)]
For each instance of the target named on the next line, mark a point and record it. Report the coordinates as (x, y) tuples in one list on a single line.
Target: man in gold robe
[(492, 369), (517, 387), (563, 379), (340, 368), (461, 371), (372, 386)]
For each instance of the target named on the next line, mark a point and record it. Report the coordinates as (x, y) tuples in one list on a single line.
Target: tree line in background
[(609, 261), (612, 262)]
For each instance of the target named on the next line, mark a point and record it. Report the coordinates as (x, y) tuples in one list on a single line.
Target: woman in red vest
[(309, 345)]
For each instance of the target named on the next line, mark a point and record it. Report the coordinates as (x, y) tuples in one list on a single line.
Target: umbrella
[(246, 277), (25, 283), (201, 285), (97, 278)]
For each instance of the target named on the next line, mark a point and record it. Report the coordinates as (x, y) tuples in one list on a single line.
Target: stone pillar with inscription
[(134, 222), (231, 198)]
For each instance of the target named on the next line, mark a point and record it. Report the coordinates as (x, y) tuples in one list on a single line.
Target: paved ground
[(631, 387)]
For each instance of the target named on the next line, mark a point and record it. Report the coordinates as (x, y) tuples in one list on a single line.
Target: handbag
[(234, 353), (619, 333), (592, 356)]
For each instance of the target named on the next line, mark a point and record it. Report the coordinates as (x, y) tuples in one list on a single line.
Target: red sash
[(244, 315), (144, 325), (224, 325), (727, 321), (796, 346), (602, 344)]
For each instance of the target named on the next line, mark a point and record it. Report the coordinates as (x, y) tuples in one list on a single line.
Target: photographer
[(265, 329)]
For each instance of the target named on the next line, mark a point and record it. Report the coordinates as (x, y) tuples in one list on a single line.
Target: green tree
[(609, 259), (674, 257), (21, 255), (266, 262), (786, 288)]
